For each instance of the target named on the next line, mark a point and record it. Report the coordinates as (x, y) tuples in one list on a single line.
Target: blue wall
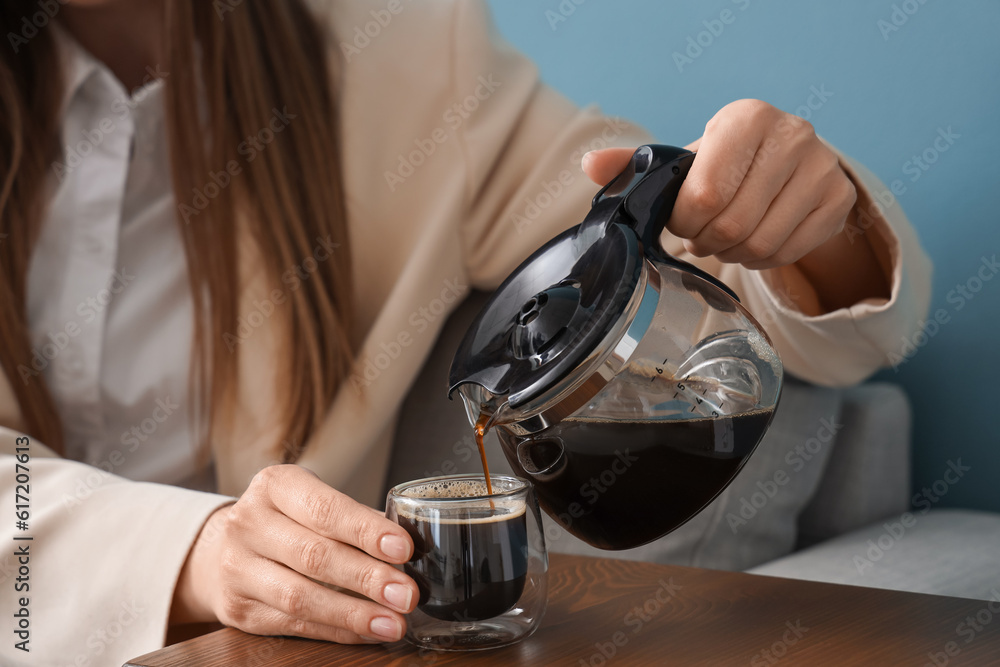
[(891, 92)]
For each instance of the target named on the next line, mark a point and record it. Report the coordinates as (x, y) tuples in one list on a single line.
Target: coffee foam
[(463, 489), (458, 488)]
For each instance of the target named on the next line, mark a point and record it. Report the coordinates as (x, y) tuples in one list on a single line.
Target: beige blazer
[(458, 164)]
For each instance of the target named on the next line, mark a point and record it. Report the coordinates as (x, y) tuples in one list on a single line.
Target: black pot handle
[(643, 196)]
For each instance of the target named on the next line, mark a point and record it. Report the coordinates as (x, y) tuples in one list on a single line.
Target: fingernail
[(398, 596), (387, 628), (394, 547), (586, 158)]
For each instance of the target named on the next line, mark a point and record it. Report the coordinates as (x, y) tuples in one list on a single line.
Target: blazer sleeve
[(522, 150), (102, 560), (844, 346)]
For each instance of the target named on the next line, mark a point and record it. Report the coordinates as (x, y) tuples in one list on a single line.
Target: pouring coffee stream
[(614, 373), (481, 428)]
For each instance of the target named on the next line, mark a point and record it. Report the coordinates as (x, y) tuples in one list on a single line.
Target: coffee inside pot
[(629, 386)]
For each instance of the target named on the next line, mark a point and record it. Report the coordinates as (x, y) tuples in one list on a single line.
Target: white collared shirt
[(108, 302)]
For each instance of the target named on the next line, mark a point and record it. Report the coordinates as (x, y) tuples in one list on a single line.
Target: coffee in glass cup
[(479, 560)]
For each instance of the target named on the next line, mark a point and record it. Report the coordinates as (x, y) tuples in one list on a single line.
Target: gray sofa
[(842, 512)]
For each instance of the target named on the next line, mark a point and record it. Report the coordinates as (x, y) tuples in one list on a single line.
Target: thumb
[(603, 165)]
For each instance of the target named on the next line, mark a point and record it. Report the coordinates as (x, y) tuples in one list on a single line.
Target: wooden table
[(605, 611)]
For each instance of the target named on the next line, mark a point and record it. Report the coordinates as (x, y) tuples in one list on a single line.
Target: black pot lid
[(551, 313), (554, 310)]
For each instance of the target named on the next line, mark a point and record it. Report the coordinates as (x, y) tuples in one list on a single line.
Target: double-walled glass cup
[(479, 560)]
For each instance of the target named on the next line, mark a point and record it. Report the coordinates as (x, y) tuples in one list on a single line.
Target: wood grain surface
[(605, 611)]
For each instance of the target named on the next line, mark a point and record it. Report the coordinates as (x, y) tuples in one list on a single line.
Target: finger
[(789, 208), (827, 220), (603, 165), (259, 618), (296, 596), (725, 156), (323, 559), (763, 183), (304, 498), (810, 234)]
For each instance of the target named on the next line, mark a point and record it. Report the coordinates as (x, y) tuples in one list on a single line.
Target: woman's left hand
[(763, 192)]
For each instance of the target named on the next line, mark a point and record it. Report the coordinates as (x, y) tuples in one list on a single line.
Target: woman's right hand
[(253, 564)]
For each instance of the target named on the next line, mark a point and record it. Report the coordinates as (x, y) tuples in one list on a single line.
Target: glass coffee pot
[(630, 387)]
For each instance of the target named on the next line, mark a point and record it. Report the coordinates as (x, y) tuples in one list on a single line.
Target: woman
[(228, 229)]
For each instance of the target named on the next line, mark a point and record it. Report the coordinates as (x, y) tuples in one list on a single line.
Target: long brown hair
[(262, 58)]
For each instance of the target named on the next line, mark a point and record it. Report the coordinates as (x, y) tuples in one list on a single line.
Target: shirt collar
[(77, 64)]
